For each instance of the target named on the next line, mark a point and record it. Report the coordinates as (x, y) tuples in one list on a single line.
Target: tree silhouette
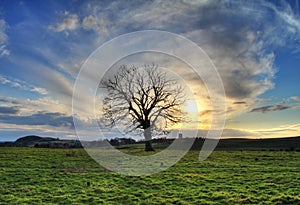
[(143, 99)]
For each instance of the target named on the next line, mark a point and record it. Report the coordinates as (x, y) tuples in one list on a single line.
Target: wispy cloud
[(9, 100), (15, 83), (240, 103), (270, 108), (52, 119), (295, 98), (285, 130), (96, 23), (68, 22), (29, 107), (3, 38)]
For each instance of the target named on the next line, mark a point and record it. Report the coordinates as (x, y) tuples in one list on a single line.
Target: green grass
[(60, 176)]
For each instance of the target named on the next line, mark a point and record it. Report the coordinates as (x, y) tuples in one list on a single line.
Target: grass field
[(70, 176)]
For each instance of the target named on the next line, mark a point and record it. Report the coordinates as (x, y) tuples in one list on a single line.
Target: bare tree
[(144, 98)]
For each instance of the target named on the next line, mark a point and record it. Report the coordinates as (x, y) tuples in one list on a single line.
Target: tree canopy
[(144, 98)]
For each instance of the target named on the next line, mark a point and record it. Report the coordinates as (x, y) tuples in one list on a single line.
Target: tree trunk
[(147, 135)]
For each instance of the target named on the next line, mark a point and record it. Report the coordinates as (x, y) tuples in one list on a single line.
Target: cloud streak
[(9, 110), (15, 83), (272, 108), (69, 22), (295, 98), (3, 39), (41, 118)]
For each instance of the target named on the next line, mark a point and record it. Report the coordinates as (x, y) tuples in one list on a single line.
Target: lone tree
[(143, 99)]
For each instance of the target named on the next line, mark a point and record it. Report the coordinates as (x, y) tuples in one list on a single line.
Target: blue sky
[(255, 46)]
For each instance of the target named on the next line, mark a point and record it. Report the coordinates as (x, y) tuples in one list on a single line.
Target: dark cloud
[(270, 108), (282, 107), (263, 109), (9, 100), (9, 110), (53, 119), (240, 103)]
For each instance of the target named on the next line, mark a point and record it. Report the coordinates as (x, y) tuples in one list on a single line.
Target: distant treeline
[(48, 142), (275, 144)]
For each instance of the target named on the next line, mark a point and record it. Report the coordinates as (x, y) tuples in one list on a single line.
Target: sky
[(254, 45)]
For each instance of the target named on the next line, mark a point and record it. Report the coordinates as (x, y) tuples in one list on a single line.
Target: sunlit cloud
[(295, 98), (68, 22)]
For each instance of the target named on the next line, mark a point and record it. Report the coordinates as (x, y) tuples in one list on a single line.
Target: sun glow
[(191, 107)]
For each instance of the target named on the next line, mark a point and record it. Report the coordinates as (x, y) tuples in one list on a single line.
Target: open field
[(70, 176)]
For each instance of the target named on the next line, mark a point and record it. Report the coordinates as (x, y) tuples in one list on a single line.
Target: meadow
[(70, 176)]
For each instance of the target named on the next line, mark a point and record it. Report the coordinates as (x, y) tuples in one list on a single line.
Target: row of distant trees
[(125, 141), (77, 144)]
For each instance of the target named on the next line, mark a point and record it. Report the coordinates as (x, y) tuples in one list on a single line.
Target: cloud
[(42, 105), (295, 98), (285, 130), (3, 39), (270, 108), (15, 83), (89, 22), (237, 50), (4, 51), (69, 22), (3, 36), (9, 110), (41, 118), (240, 103), (46, 75), (9, 100), (99, 24), (263, 109)]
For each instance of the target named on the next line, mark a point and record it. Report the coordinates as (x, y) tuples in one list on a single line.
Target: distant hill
[(43, 142), (32, 139)]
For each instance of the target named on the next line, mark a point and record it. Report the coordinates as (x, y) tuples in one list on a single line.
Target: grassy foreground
[(64, 176)]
